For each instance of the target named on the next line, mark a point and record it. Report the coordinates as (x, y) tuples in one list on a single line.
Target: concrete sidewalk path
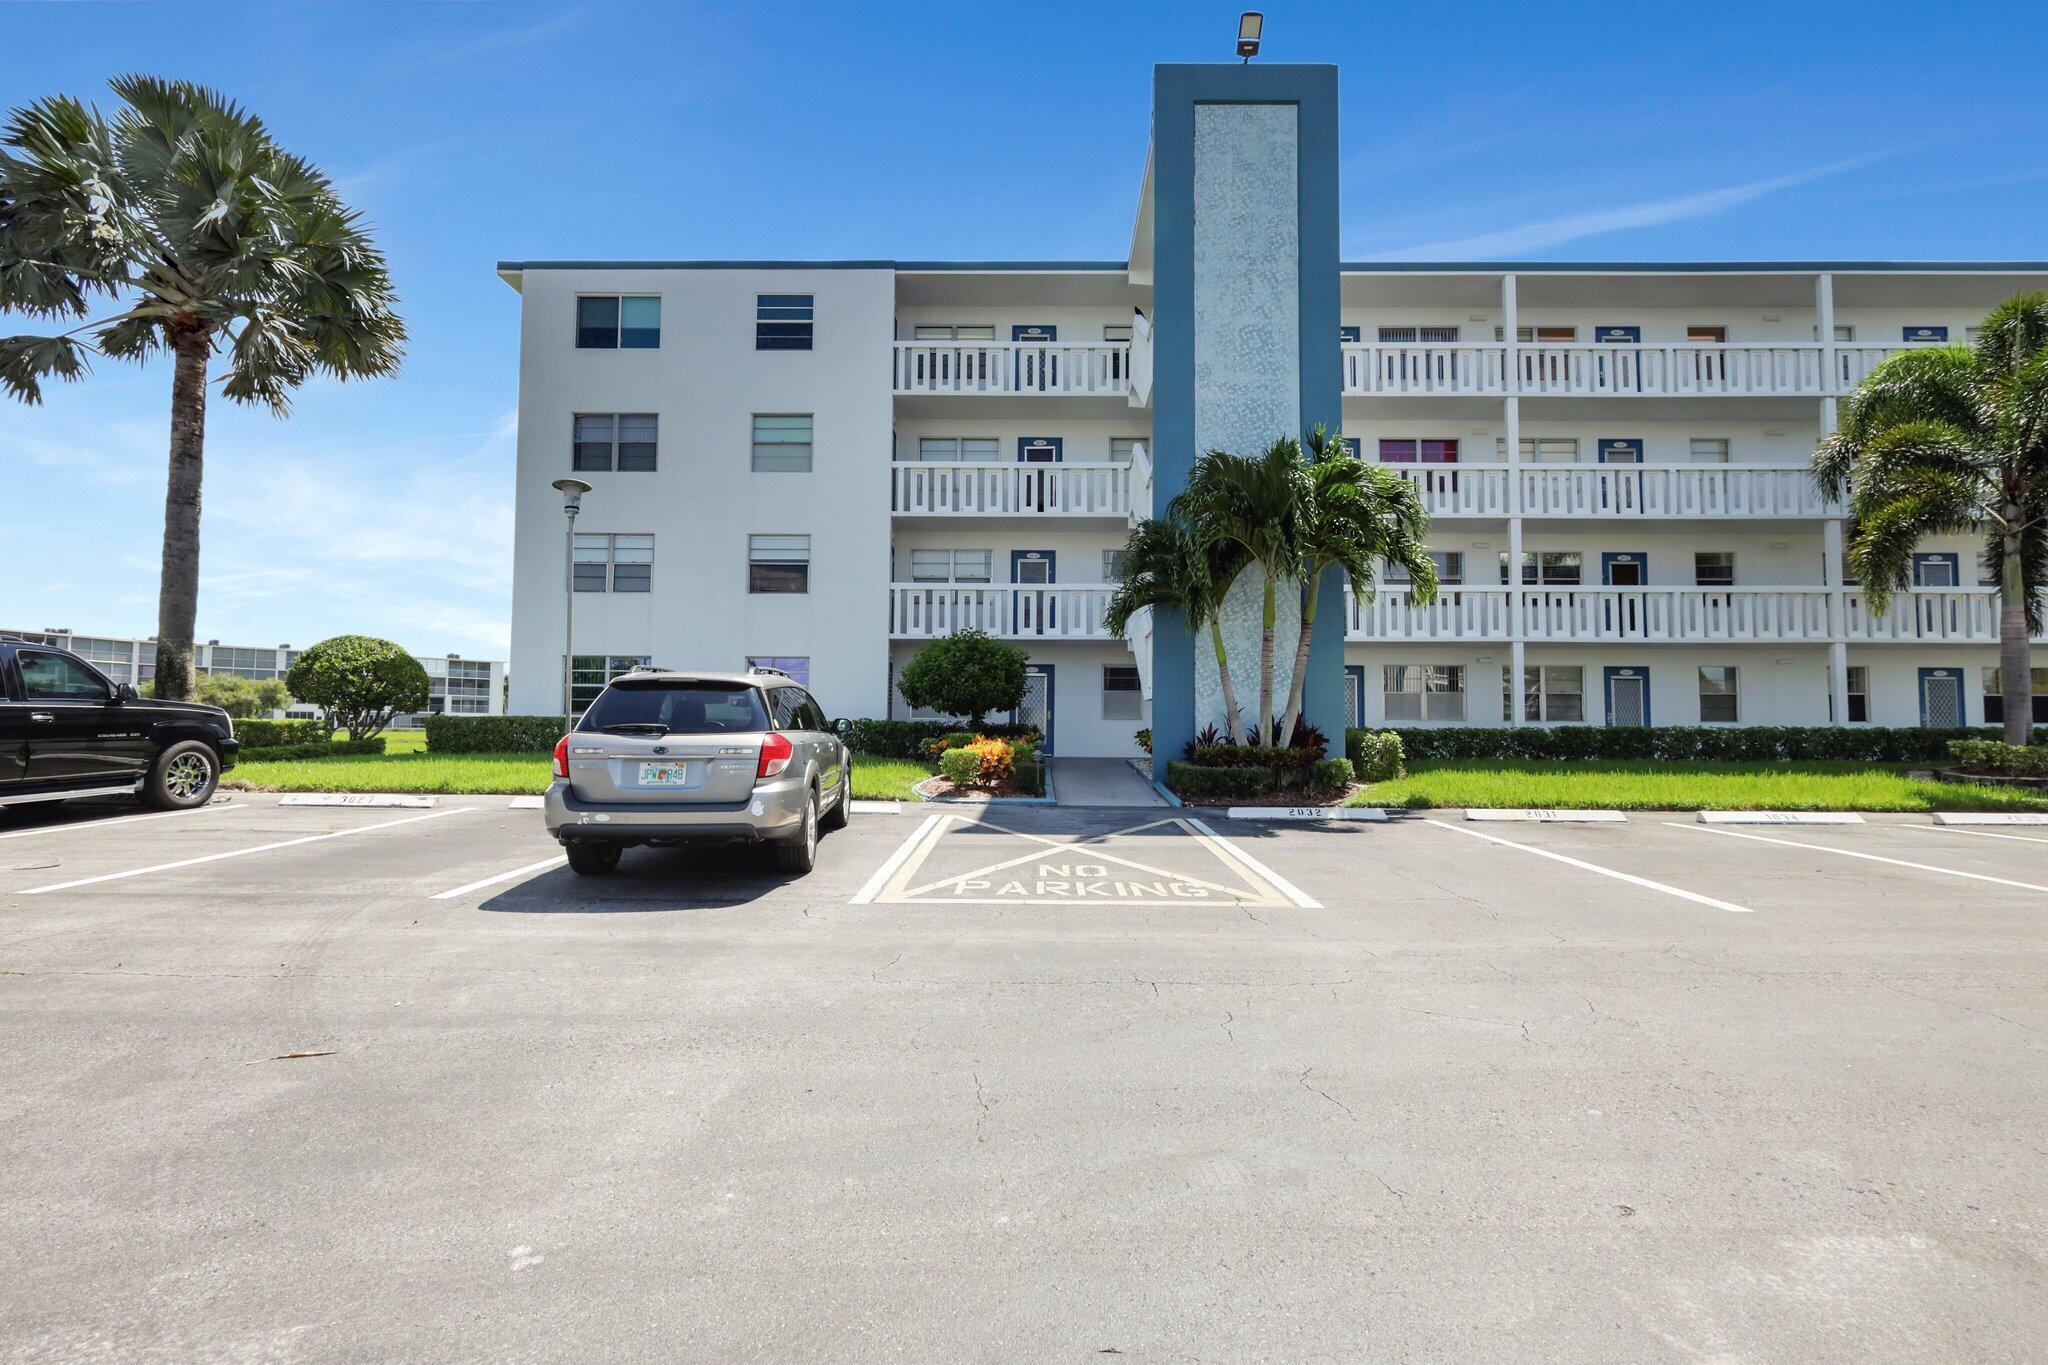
[(1101, 782)]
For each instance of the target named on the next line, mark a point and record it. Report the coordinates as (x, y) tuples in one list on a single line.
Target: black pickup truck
[(66, 731)]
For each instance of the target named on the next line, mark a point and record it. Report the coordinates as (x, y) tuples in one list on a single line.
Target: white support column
[(1824, 322), (1511, 423), (1838, 620)]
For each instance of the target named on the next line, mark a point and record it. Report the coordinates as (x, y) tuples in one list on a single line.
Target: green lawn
[(405, 766), (1681, 786)]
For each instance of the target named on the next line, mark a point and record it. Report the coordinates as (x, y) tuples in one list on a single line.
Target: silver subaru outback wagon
[(666, 757)]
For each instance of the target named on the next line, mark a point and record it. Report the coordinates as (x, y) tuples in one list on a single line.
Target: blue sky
[(475, 132)]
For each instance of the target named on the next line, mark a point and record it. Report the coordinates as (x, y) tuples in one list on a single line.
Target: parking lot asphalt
[(298, 1082)]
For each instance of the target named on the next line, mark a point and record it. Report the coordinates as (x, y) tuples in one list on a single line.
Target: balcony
[(1677, 615), (1052, 368), (931, 489), (1619, 490), (1015, 612), (1641, 370)]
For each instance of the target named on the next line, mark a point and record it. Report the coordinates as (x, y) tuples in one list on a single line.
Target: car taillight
[(562, 756), (776, 751)]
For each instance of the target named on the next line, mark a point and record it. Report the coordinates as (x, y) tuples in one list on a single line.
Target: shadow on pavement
[(649, 880)]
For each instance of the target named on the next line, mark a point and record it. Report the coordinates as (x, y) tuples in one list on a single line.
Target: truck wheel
[(593, 860), (183, 776), (800, 854)]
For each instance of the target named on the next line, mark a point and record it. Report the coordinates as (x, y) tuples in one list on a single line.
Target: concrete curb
[(1547, 817), (1779, 817)]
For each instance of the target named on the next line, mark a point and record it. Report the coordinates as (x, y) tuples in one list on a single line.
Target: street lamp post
[(572, 491)]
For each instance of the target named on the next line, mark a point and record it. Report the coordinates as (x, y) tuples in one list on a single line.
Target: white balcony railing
[(1619, 490), (1648, 369), (922, 611), (1679, 615), (1019, 367), (930, 488)]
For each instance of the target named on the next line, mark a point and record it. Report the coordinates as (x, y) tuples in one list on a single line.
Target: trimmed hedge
[(492, 734), (909, 738), (1685, 743), (1332, 774), (272, 734), (293, 753), (1379, 756), (961, 767), (1999, 758), (1193, 782)]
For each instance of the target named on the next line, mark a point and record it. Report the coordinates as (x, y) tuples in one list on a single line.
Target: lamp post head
[(1250, 25), (572, 491)]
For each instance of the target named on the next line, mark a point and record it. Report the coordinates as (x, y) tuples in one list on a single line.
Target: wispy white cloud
[(1544, 233), (488, 43)]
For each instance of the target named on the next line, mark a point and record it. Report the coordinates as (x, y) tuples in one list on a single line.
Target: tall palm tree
[(1251, 502), (1164, 566), (200, 235), (1953, 439), (1352, 515)]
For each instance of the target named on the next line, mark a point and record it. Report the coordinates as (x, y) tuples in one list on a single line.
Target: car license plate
[(664, 774)]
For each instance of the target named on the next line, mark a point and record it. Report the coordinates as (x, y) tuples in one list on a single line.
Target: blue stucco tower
[(1246, 345)]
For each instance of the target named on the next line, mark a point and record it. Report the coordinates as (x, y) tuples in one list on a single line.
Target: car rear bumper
[(776, 809)]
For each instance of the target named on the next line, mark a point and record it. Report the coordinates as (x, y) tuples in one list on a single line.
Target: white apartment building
[(821, 465), (458, 686)]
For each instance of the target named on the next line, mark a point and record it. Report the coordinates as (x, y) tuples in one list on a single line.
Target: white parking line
[(102, 824), (244, 852), (1679, 892), (1227, 851), (1987, 834), (543, 865), (1867, 857), (888, 869)]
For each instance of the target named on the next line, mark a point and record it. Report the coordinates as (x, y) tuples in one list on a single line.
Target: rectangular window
[(953, 331), (967, 449), (1113, 565), (1541, 449), (782, 322), (1123, 449), (1713, 568), (951, 566), (1718, 696), (590, 673), (1423, 691), (1550, 568), (1994, 697), (623, 441), (1419, 336), (782, 443), (1412, 450), (614, 563), (1116, 331), (1936, 571), (1707, 333), (778, 563), (1709, 450), (1540, 334), (612, 322), (1858, 681), (1553, 693), (1121, 699), (1450, 568), (798, 666)]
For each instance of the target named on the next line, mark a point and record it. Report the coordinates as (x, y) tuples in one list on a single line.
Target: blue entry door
[(1354, 695), (1624, 568), (1037, 371), (1628, 696), (1036, 708), (1941, 699), (1033, 613)]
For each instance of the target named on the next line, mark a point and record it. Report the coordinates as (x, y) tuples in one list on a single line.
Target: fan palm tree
[(1953, 439), (200, 236), (1251, 502), (1352, 514), (1164, 566)]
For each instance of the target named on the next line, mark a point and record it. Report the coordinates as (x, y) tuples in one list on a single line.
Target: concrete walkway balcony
[(1619, 490), (920, 611), (1016, 367), (1618, 370), (933, 489)]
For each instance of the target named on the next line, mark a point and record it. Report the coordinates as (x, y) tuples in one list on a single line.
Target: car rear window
[(679, 708)]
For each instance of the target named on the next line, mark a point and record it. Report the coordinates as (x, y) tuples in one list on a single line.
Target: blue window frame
[(783, 322)]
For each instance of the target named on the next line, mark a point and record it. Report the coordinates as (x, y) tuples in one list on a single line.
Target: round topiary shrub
[(966, 674), (359, 682)]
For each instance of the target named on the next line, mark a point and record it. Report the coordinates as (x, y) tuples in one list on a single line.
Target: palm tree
[(1352, 514), (1250, 502), (1164, 566), (202, 235), (1952, 439)]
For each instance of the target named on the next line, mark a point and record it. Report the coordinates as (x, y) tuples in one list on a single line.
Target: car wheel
[(800, 854), (842, 809), (594, 860), (183, 776)]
